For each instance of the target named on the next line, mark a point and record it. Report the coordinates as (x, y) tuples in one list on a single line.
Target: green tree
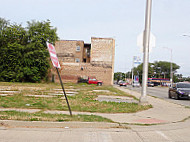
[(139, 71), (12, 42), (158, 69), (24, 55), (162, 69), (3, 24), (118, 76), (121, 76), (36, 54)]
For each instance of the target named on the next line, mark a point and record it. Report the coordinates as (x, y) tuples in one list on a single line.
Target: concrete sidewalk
[(162, 112)]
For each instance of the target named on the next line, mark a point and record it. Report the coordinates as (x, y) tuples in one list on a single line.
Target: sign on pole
[(56, 64), (53, 55), (137, 60), (136, 78), (152, 42)]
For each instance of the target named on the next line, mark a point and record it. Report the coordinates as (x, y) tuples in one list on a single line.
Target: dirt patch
[(117, 99)]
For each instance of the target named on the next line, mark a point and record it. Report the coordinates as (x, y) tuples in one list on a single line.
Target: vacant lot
[(49, 96)]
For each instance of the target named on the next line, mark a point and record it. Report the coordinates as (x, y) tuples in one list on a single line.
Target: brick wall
[(67, 50), (101, 60), (103, 53), (70, 72)]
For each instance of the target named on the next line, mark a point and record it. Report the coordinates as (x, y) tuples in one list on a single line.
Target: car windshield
[(183, 85)]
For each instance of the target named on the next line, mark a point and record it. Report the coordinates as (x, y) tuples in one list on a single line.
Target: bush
[(24, 55)]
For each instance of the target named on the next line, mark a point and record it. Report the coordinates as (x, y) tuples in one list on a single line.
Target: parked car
[(179, 90), (82, 80), (119, 82), (93, 80), (122, 83), (136, 84), (150, 84)]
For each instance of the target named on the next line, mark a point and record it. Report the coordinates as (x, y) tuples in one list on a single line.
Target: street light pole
[(146, 39), (171, 70), (171, 67), (132, 71)]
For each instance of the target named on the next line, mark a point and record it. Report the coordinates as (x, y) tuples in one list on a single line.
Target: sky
[(122, 20)]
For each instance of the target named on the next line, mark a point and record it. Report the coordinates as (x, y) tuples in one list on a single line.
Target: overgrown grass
[(40, 116), (83, 101)]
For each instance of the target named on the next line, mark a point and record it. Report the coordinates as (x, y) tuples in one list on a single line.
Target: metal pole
[(132, 71), (171, 71), (171, 67), (64, 92), (146, 39), (125, 76)]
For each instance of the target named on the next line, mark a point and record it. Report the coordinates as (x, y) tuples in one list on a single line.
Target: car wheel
[(99, 84), (177, 97), (169, 95)]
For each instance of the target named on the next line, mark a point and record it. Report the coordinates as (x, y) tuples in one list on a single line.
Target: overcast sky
[(122, 20)]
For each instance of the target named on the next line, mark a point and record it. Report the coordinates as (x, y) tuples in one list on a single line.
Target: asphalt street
[(160, 92)]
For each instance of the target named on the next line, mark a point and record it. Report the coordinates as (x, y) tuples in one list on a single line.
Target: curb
[(64, 125)]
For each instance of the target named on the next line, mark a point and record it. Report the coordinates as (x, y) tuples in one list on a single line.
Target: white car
[(136, 84)]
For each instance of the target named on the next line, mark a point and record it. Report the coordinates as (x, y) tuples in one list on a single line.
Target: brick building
[(79, 59)]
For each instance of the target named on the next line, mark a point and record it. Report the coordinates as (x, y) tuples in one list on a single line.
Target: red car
[(93, 80), (122, 83)]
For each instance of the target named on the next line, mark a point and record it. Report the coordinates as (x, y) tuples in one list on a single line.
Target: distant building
[(79, 59), (160, 81)]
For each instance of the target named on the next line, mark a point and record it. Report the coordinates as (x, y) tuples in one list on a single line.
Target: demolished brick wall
[(101, 60)]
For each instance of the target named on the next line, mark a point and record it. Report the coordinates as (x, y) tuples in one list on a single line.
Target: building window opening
[(78, 48), (88, 52), (77, 60), (84, 60)]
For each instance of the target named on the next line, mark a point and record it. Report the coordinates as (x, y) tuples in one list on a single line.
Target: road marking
[(163, 135)]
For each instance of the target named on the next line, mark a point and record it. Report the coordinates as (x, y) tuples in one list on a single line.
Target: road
[(161, 92)]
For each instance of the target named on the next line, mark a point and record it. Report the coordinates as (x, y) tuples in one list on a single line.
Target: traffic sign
[(56, 64), (152, 42), (53, 55)]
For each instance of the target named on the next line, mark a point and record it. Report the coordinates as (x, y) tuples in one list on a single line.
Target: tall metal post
[(64, 92), (146, 39), (171, 71), (132, 71), (171, 67)]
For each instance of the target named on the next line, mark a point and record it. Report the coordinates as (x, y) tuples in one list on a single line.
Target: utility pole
[(171, 70), (132, 71), (146, 41), (171, 66)]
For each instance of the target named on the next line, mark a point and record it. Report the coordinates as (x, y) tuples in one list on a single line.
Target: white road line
[(163, 135)]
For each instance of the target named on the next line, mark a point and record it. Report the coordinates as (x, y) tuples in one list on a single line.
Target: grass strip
[(40, 116)]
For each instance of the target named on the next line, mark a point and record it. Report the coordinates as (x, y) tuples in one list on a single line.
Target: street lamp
[(146, 41), (171, 67)]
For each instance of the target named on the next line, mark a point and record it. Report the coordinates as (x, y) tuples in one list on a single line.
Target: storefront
[(160, 81)]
